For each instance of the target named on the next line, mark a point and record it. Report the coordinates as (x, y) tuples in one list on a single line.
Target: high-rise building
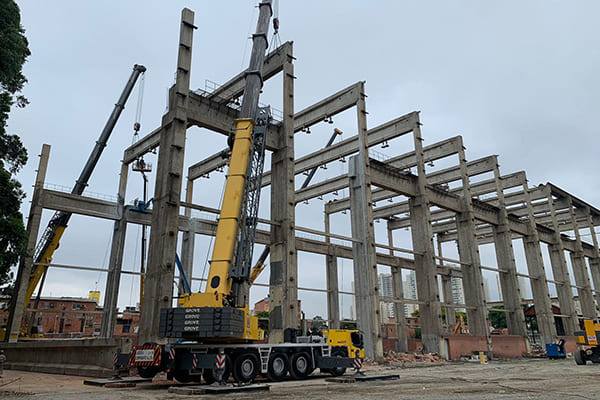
[(410, 292), (384, 282), (458, 293)]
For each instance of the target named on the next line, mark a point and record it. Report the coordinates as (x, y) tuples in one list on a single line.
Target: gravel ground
[(522, 379)]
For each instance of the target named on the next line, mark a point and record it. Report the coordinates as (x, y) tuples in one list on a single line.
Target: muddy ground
[(522, 379)]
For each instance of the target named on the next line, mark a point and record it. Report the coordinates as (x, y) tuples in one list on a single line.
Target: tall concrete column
[(17, 305), (425, 266), (115, 264), (158, 284), (401, 326), (468, 252), (366, 291), (446, 290), (560, 271), (582, 278), (333, 293), (505, 258), (284, 259), (594, 261), (188, 240), (398, 294), (333, 297), (539, 285)]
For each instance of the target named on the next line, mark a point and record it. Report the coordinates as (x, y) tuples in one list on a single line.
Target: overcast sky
[(514, 78)]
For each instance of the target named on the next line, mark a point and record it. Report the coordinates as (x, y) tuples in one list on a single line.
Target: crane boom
[(50, 239), (230, 264)]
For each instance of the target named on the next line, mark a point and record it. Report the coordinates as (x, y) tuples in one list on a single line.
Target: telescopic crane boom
[(50, 240), (231, 262)]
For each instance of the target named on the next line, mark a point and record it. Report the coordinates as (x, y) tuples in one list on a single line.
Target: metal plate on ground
[(366, 378), (235, 389), (187, 390), (341, 379), (102, 382)]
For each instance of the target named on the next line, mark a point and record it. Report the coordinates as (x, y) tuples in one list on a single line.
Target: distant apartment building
[(386, 309), (410, 292)]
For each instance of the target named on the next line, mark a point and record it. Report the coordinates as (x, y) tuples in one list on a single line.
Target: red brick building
[(72, 317)]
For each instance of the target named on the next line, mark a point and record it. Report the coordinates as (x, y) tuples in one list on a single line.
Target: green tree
[(348, 324), (263, 321), (497, 318), (14, 51)]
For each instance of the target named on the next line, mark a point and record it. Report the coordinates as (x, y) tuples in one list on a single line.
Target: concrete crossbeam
[(332, 105), (477, 189), (273, 65), (389, 130)]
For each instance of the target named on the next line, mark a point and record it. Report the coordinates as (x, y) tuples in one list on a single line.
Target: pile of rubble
[(407, 359)]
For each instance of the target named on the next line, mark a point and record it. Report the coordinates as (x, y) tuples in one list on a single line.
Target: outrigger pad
[(201, 322)]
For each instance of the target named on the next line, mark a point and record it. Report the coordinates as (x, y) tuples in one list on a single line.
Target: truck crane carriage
[(50, 239), (218, 319)]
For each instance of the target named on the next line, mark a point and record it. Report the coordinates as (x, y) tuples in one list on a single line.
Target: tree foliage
[(14, 50)]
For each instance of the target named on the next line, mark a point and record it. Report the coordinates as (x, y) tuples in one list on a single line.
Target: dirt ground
[(522, 379)]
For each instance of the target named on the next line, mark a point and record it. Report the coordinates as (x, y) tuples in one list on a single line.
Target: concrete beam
[(397, 127), (273, 65), (208, 165), (332, 105)]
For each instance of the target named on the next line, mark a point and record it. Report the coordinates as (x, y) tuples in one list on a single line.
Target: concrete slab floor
[(522, 379)]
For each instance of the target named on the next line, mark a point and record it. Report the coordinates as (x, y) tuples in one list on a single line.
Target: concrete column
[(398, 294), (115, 264), (158, 284), (17, 305), (366, 291), (284, 259), (582, 278), (561, 273), (539, 285), (594, 261), (505, 258), (401, 327), (333, 295), (425, 266), (447, 291), (333, 298), (448, 299), (468, 252), (188, 241)]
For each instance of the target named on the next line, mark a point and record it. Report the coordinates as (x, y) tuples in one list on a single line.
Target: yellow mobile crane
[(50, 240), (218, 319)]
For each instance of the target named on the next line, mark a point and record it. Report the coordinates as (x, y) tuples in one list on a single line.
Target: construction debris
[(411, 359)]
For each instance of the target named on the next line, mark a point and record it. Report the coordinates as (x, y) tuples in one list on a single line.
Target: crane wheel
[(182, 375), (210, 375), (278, 366), (338, 371), (245, 367), (579, 356), (300, 365)]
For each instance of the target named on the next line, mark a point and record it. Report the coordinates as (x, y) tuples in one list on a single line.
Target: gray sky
[(514, 78)]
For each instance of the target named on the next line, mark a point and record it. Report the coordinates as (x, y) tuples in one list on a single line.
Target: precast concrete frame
[(448, 204)]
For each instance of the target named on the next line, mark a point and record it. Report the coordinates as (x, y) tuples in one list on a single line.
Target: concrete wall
[(508, 346), (464, 345), (503, 346), (84, 357)]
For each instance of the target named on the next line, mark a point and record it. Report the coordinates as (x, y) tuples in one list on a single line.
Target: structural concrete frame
[(450, 204)]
